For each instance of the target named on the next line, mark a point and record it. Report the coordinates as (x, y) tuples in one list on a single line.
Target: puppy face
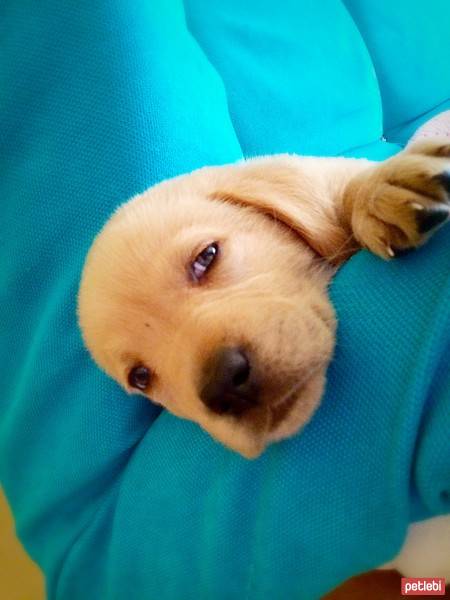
[(210, 308)]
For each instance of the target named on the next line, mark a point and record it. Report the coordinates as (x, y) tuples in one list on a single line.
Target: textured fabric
[(115, 500), (408, 44)]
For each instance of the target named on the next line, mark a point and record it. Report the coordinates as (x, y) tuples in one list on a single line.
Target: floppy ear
[(299, 192)]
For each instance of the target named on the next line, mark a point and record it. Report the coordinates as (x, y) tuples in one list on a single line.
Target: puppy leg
[(396, 205), (338, 205)]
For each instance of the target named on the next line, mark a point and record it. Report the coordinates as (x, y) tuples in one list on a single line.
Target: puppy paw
[(401, 202)]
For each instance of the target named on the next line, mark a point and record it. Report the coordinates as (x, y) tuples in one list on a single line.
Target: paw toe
[(443, 150)]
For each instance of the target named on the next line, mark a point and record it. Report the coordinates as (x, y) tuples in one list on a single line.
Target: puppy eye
[(204, 260), (139, 377)]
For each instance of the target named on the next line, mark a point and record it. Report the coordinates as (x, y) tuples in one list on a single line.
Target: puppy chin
[(250, 451), (301, 411), (246, 445), (249, 439)]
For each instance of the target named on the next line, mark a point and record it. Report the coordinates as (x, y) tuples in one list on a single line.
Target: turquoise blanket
[(98, 101)]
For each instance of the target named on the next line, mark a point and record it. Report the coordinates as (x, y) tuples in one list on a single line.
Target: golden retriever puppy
[(208, 292)]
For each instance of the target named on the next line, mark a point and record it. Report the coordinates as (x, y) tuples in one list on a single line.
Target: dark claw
[(430, 218), (444, 180)]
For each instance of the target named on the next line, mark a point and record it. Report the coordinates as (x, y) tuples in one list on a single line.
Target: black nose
[(229, 387)]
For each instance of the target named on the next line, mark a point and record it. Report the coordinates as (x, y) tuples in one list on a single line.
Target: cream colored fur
[(284, 224)]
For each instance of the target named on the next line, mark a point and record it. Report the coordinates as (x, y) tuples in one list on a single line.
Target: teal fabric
[(114, 499), (408, 45)]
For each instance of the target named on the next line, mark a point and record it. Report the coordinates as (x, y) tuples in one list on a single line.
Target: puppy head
[(195, 296)]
